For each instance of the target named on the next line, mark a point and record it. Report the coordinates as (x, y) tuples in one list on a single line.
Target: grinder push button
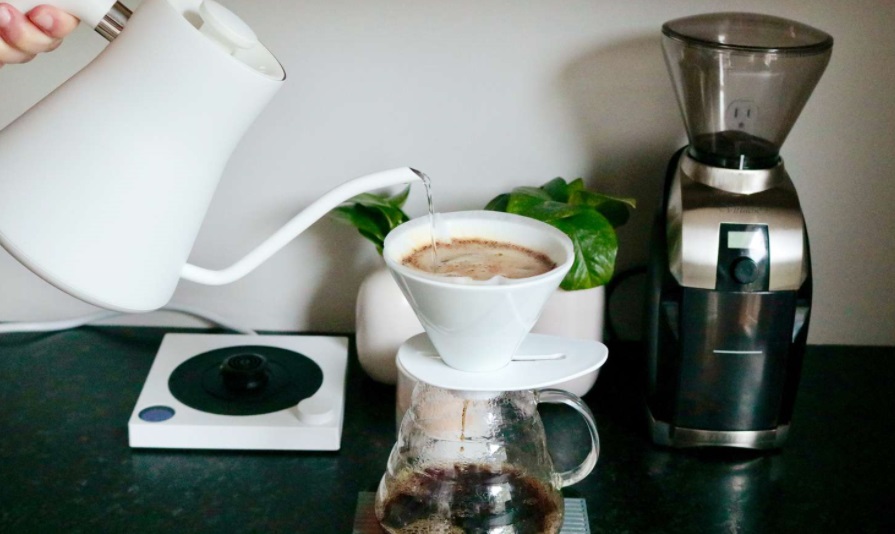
[(744, 270)]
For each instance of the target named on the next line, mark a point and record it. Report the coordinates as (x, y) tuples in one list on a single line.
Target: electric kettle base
[(190, 402), (669, 435)]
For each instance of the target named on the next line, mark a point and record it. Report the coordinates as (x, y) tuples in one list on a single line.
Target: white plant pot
[(384, 321), (576, 314)]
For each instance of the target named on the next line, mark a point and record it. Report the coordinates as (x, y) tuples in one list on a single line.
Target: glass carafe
[(477, 462)]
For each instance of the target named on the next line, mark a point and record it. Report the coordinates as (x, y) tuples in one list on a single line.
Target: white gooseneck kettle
[(104, 183)]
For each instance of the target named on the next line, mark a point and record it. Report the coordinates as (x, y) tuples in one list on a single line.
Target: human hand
[(23, 36)]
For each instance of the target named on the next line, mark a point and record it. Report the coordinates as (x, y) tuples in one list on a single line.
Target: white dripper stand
[(471, 450)]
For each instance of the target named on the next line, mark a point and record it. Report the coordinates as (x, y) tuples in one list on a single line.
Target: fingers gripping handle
[(91, 12)]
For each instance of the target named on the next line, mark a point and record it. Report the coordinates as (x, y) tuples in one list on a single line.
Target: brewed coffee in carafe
[(476, 462)]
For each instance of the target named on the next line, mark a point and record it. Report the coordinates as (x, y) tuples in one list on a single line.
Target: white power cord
[(66, 324)]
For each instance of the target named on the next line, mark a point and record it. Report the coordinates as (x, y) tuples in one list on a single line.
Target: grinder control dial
[(744, 262), (745, 270)]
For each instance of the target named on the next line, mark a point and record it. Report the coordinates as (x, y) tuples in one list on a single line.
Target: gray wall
[(485, 95)]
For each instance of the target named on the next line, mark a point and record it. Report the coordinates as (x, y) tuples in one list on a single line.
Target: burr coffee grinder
[(730, 273)]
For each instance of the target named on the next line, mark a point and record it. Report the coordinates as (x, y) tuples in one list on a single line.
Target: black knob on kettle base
[(245, 372)]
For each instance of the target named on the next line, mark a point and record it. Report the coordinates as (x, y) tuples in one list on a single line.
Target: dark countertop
[(65, 400)]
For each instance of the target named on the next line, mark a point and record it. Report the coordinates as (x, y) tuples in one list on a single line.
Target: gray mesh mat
[(574, 522)]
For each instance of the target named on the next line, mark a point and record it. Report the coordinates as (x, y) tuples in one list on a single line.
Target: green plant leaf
[(354, 216), (524, 199), (536, 192), (616, 209), (378, 216), (388, 217), (499, 203), (595, 244), (589, 219), (576, 185), (552, 211), (373, 215), (398, 200), (558, 189), (373, 200)]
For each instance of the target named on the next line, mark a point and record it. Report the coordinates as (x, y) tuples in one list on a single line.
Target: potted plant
[(384, 319), (590, 220)]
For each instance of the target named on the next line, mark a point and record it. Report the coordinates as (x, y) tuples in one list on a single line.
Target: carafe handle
[(559, 396)]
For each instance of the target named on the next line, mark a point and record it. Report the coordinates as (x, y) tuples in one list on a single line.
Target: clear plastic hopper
[(741, 81)]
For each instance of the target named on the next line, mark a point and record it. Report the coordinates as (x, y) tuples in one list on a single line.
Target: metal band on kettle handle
[(107, 17)]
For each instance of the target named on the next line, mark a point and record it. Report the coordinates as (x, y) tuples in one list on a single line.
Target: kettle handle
[(559, 396), (90, 12)]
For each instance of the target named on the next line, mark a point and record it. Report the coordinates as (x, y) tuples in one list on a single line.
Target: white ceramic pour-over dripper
[(477, 325)]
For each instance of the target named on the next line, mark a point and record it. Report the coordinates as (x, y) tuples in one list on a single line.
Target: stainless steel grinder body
[(728, 306)]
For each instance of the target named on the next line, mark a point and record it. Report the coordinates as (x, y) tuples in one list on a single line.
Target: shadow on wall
[(628, 119), (346, 260)]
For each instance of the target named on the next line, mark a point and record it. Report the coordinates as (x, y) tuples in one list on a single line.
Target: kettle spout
[(299, 223)]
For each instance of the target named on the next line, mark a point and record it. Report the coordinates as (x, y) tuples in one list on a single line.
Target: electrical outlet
[(741, 115)]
